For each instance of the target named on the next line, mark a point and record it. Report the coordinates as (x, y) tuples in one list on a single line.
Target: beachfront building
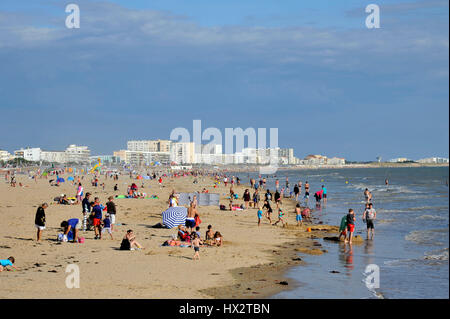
[(29, 154), (434, 160), (336, 161), (208, 154), (120, 154), (77, 154), (5, 156), (149, 146), (53, 156), (138, 158), (183, 152), (105, 159)]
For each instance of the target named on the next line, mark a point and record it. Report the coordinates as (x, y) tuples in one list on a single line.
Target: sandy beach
[(250, 264)]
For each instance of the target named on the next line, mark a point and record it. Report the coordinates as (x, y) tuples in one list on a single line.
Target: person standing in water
[(350, 225), (369, 216), (367, 195), (306, 190), (324, 189)]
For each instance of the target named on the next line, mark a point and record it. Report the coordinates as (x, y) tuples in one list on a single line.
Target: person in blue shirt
[(106, 226), (71, 228), (324, 194), (7, 263)]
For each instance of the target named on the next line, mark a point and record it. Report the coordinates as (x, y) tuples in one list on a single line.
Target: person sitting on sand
[(306, 214), (63, 200), (183, 233), (209, 234), (129, 242), (4, 263), (218, 239)]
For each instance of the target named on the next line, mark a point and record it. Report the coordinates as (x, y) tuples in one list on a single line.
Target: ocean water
[(411, 242)]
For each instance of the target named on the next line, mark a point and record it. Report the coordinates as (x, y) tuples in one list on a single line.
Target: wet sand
[(251, 263)]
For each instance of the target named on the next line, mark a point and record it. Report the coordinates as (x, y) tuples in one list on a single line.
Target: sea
[(408, 257)]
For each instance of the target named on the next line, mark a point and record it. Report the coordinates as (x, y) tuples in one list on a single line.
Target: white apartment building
[(336, 161), (183, 152), (208, 154), (434, 160), (53, 156), (137, 158), (5, 156), (149, 146), (77, 154), (29, 154)]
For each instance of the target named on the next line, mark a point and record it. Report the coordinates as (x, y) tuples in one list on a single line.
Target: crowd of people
[(101, 218)]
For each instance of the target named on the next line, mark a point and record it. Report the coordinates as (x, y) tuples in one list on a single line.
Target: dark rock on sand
[(284, 283)]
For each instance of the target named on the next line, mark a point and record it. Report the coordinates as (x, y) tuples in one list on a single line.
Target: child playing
[(196, 245), (298, 215), (107, 226), (260, 214), (7, 262), (280, 217)]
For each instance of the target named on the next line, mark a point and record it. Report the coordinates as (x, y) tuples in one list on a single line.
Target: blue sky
[(137, 69)]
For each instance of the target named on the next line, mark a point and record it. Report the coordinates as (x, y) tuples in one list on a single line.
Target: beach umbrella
[(70, 178), (174, 216)]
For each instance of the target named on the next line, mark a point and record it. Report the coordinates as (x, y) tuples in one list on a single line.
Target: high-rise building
[(149, 146)]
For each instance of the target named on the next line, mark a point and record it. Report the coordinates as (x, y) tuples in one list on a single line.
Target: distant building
[(183, 152), (120, 154), (105, 159), (138, 158), (434, 160), (77, 154), (53, 156), (5, 156), (208, 154), (29, 154), (149, 146), (336, 161)]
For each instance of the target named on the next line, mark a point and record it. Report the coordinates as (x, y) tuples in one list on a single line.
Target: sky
[(138, 69)]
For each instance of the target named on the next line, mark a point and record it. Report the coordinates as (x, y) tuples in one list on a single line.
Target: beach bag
[(222, 207), (81, 240)]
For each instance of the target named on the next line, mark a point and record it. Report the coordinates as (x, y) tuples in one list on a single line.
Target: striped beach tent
[(174, 216)]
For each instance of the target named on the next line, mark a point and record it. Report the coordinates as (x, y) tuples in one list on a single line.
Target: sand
[(250, 264)]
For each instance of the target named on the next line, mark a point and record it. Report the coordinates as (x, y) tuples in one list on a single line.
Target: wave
[(441, 255), (431, 217), (427, 237)]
